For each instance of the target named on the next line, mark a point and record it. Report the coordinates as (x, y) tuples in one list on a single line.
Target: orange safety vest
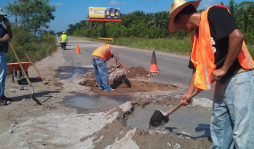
[(202, 55), (103, 52)]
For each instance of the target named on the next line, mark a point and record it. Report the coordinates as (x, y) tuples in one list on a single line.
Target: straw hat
[(175, 8)]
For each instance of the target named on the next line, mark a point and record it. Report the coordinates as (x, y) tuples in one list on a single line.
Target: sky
[(73, 11)]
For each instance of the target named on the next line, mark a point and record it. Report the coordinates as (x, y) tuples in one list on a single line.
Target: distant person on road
[(99, 58), (219, 55), (64, 40), (5, 36)]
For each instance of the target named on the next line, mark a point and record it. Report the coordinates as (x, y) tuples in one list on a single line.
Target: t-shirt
[(3, 45), (221, 25)]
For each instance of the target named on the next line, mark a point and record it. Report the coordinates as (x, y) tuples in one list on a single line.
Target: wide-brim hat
[(175, 8), (2, 12)]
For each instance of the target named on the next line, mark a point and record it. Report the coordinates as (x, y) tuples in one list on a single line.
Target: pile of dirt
[(137, 73), (128, 73)]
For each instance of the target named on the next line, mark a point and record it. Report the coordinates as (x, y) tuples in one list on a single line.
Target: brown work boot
[(6, 98), (3, 102)]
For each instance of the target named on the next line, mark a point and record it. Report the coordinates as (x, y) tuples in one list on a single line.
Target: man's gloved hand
[(118, 64)]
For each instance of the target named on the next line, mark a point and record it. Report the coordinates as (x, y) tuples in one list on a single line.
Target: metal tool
[(44, 81), (160, 118), (29, 83)]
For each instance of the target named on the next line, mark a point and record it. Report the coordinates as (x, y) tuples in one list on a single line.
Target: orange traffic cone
[(77, 49), (153, 67), (104, 43)]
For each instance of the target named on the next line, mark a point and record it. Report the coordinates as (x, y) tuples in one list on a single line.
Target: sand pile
[(129, 73)]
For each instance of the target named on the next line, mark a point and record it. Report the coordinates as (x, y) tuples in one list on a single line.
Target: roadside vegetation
[(150, 30), (29, 37), (36, 48)]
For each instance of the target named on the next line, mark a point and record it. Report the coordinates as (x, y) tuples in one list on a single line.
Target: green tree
[(71, 29), (160, 20), (139, 13), (232, 8), (32, 14), (245, 16)]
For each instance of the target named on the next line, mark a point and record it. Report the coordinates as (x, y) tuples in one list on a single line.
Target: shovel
[(29, 83), (44, 81), (160, 118)]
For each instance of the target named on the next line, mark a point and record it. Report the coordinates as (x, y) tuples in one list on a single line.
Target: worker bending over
[(99, 58)]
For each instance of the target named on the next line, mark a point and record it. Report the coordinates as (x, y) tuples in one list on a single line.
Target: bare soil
[(127, 80), (23, 124)]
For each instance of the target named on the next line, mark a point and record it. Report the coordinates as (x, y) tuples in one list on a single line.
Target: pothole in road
[(93, 104), (66, 72), (193, 122), (188, 121), (125, 86)]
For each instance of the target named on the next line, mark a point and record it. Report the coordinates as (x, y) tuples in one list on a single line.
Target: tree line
[(31, 15), (155, 25), (29, 29)]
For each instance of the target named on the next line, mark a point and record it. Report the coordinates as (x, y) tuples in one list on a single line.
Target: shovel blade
[(158, 119)]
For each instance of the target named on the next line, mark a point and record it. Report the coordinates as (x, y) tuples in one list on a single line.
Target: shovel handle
[(29, 83), (187, 100), (35, 68)]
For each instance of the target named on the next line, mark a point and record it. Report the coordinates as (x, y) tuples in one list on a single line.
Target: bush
[(90, 32), (139, 30), (157, 33), (35, 47)]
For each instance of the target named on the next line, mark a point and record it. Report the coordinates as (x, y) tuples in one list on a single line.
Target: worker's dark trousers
[(232, 122), (101, 74), (63, 45)]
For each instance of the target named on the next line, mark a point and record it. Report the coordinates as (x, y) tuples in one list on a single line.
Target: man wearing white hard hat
[(5, 36), (219, 54), (64, 40)]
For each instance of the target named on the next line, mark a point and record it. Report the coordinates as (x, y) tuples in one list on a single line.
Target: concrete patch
[(124, 142)]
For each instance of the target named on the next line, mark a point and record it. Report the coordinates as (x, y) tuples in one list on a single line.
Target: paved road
[(173, 68)]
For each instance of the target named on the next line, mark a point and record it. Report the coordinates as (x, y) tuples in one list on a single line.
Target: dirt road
[(82, 117)]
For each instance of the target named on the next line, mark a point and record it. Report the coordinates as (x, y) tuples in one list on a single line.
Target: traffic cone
[(77, 49), (153, 67), (104, 43)]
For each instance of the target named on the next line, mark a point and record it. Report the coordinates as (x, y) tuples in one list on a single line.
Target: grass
[(36, 52)]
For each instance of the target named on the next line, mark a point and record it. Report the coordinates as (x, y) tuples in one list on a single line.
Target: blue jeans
[(3, 72), (232, 121), (101, 74)]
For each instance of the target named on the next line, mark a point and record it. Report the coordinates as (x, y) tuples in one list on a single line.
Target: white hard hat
[(63, 32)]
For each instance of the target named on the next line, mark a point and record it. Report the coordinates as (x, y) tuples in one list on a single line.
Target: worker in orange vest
[(219, 54), (99, 58)]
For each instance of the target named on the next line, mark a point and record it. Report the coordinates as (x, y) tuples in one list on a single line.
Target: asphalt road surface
[(173, 68)]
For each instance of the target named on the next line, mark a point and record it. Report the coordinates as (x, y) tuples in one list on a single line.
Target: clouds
[(206, 3), (114, 2), (58, 4)]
